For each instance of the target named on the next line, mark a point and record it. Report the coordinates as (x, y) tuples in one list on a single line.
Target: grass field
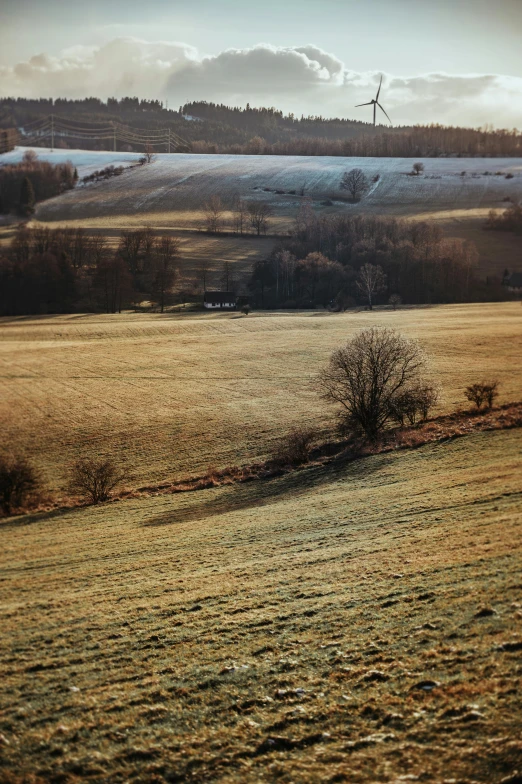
[(174, 394), (354, 623)]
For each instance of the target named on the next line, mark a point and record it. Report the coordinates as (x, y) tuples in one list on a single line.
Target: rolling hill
[(170, 193)]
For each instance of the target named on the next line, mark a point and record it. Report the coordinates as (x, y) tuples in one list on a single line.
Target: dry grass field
[(351, 623), (174, 394)]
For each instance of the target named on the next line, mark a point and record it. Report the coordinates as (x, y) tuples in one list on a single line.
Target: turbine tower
[(375, 103)]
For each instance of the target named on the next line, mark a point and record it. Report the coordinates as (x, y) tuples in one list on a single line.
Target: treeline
[(341, 261), (23, 184), (70, 270), (216, 128)]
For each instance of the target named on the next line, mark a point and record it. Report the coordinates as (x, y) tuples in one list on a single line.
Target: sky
[(442, 61)]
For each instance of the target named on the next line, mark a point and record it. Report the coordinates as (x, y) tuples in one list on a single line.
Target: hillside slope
[(173, 394), (181, 183), (351, 623)]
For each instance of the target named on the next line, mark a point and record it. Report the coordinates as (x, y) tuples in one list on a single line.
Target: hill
[(171, 395), (355, 623), (170, 193)]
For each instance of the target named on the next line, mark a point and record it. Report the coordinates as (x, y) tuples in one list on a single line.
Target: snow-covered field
[(181, 183), (170, 194)]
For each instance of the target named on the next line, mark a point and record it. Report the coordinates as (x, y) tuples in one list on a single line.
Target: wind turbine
[(375, 103)]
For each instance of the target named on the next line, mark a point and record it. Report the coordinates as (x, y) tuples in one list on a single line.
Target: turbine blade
[(363, 104), (382, 110), (379, 90)]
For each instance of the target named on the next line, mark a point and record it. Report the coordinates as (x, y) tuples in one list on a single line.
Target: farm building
[(224, 300)]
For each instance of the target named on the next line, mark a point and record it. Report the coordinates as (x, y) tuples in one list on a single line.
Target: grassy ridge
[(169, 638)]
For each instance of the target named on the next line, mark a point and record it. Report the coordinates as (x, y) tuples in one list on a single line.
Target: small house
[(220, 300)]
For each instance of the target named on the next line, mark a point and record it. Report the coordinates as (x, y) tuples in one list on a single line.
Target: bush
[(414, 404), (295, 447), (18, 481), (482, 394), (95, 479), (395, 301), (245, 310)]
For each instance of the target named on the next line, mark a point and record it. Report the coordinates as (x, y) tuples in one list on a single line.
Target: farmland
[(169, 194), (173, 394), (349, 622)]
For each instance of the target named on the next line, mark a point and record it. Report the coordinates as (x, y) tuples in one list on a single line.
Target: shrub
[(294, 448), (95, 479), (509, 176), (245, 310), (414, 404), (395, 301), (482, 394), (18, 481), (418, 168)]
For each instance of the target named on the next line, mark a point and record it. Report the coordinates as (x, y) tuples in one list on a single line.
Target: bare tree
[(355, 182), (418, 168), (228, 278), (202, 275), (113, 282), (395, 301), (164, 276), (95, 479), (240, 214), (370, 281), (149, 153), (259, 212), (214, 215), (368, 374)]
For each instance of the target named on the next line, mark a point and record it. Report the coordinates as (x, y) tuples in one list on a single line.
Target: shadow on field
[(263, 492), (22, 520)]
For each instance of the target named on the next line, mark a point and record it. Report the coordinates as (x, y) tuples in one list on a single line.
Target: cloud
[(302, 79)]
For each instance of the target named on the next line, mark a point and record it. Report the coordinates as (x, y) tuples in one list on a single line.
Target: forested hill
[(215, 128)]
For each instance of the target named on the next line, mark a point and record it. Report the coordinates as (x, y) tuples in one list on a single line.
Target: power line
[(78, 130)]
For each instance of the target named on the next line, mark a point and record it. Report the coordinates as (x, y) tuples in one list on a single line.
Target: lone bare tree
[(214, 215), (149, 153), (355, 182), (370, 281), (259, 212), (369, 374)]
